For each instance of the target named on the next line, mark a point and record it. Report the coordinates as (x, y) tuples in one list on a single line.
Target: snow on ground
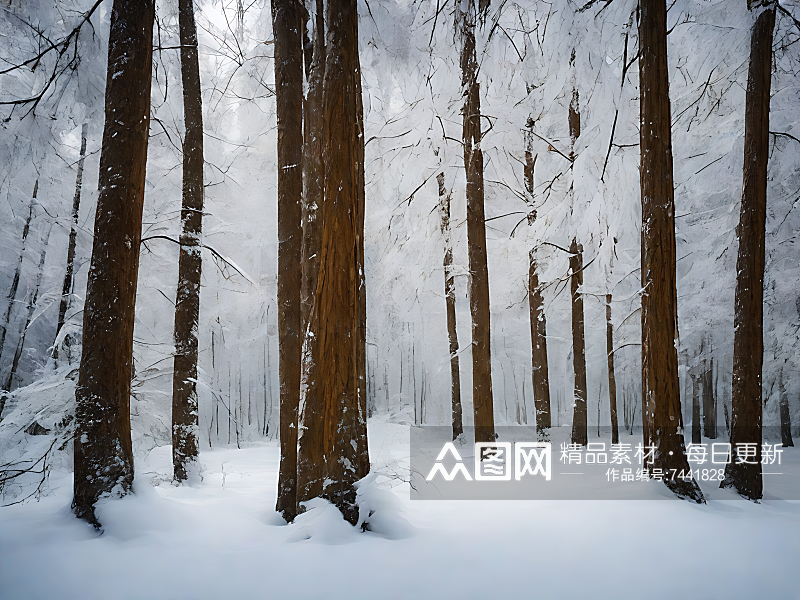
[(222, 539)]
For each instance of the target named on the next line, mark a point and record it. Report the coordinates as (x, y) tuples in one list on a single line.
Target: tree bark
[(579, 419), (476, 228), (66, 290), (185, 423), (450, 300), (541, 379), (12, 293), (335, 318), (103, 454), (287, 29), (311, 453), (661, 403), (360, 339), (748, 337), (612, 381)]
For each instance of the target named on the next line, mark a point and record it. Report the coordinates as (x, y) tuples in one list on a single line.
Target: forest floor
[(222, 539)]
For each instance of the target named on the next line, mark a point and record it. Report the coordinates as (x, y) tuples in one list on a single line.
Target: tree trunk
[(579, 419), (360, 339), (612, 381), (450, 300), (287, 29), (786, 417), (335, 318), (709, 399), (661, 402), (12, 294), (476, 227), (185, 423), (311, 453), (748, 337), (103, 454), (31, 308), (541, 379), (696, 431), (66, 290)]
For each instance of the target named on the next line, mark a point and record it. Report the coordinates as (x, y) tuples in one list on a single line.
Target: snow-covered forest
[(455, 210)]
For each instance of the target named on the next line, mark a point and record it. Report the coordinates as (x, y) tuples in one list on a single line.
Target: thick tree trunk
[(31, 308), (612, 380), (311, 453), (12, 293), (748, 337), (335, 318), (541, 379), (476, 227), (579, 419), (287, 29), (185, 423), (66, 290), (661, 402), (450, 300), (103, 454)]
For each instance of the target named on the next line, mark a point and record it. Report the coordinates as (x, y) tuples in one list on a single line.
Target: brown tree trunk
[(12, 294), (612, 381), (311, 453), (103, 454), (748, 340), (335, 318), (661, 402), (450, 300), (66, 290), (31, 308), (579, 419), (185, 423), (541, 379), (476, 227), (360, 340), (287, 30)]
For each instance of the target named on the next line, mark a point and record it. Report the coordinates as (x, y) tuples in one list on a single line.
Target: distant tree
[(450, 301), (540, 371), (579, 419), (748, 320), (185, 419), (12, 293), (287, 26), (31, 307), (612, 380), (786, 417), (466, 17), (66, 290), (103, 452), (661, 402)]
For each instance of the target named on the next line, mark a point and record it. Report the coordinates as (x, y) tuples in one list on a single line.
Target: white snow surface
[(222, 539)]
